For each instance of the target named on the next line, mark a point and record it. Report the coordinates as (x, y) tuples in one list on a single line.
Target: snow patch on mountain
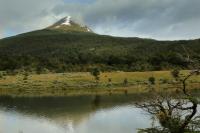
[(88, 30), (67, 21), (67, 24), (57, 27)]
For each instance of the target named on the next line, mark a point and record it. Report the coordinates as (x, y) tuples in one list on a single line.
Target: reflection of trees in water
[(64, 108), (96, 102), (174, 116), (61, 110)]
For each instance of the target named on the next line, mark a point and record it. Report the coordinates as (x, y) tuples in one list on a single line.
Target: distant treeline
[(55, 51)]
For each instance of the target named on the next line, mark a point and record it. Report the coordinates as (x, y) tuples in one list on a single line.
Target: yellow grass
[(64, 84)]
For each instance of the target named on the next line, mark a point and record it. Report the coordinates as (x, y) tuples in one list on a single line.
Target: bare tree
[(175, 114)]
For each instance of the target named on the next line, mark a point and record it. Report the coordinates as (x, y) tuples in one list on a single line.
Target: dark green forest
[(59, 51)]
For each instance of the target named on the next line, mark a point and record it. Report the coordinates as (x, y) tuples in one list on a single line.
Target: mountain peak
[(68, 25), (66, 20)]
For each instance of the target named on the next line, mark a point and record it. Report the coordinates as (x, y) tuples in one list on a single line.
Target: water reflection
[(95, 114)]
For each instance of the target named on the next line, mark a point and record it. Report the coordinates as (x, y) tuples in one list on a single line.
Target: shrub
[(125, 81), (175, 73), (152, 80), (39, 69), (95, 72), (25, 76), (109, 80), (1, 75), (164, 81)]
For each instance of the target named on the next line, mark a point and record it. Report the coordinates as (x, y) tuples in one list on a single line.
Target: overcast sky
[(157, 19)]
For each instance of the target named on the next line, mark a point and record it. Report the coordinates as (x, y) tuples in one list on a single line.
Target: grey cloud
[(159, 19), (25, 15), (1, 35)]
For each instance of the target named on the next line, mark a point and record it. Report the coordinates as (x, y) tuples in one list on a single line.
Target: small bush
[(175, 73), (25, 76), (96, 73), (152, 80), (125, 81), (21, 90), (109, 82), (164, 81)]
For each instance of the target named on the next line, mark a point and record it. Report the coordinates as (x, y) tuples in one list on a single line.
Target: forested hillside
[(60, 51)]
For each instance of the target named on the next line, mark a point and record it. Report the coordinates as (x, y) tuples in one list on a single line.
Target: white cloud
[(1, 36)]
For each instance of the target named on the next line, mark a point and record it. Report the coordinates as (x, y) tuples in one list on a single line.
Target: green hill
[(67, 50)]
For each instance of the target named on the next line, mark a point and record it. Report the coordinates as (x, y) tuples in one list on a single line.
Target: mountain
[(68, 46), (68, 25)]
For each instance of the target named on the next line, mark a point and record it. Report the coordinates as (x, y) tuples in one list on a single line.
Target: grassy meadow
[(70, 84)]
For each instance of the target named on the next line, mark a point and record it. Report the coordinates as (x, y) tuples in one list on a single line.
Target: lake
[(83, 114)]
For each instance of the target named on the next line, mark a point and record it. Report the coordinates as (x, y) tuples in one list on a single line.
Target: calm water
[(94, 114)]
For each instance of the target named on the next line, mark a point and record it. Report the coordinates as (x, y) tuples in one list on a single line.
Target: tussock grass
[(65, 84)]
